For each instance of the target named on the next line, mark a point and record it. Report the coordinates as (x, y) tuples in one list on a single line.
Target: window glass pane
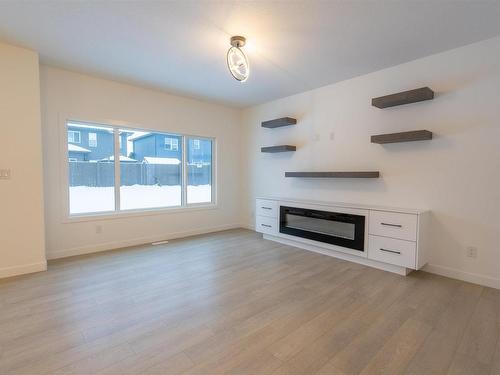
[(199, 170), (150, 170), (171, 144), (91, 169), (92, 139)]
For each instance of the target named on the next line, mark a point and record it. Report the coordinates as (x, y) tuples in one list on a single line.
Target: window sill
[(137, 213)]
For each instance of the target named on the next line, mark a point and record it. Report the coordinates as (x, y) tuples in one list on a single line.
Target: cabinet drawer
[(390, 250), (266, 224), (393, 224), (267, 208)]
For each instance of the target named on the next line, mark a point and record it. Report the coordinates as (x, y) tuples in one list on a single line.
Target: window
[(73, 136), (92, 180), (153, 177), (92, 139), (171, 144), (199, 171), (146, 177)]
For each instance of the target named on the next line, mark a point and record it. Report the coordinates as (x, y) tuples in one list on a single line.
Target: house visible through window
[(199, 171), (92, 139), (73, 136), (148, 176), (171, 144), (91, 181)]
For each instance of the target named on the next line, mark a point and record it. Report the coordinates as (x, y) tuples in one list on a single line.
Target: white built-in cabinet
[(395, 238)]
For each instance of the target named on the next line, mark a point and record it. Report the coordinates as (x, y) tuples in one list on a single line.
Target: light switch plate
[(5, 174)]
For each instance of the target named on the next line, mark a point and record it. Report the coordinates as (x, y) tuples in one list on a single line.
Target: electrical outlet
[(471, 252), (5, 174), (98, 229), (332, 136), (316, 137)]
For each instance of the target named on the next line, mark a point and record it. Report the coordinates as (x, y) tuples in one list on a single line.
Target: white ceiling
[(293, 46)]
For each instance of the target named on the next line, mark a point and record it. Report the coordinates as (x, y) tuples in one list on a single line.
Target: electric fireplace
[(336, 228)]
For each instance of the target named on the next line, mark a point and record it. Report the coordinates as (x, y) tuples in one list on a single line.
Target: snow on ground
[(85, 199)]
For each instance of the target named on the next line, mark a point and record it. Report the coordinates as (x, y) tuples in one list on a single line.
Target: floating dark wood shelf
[(279, 122), (371, 174), (414, 135), (406, 97), (282, 148)]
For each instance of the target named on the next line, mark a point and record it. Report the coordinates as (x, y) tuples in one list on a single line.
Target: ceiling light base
[(238, 41)]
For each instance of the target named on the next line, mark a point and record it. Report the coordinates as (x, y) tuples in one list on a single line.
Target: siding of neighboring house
[(153, 145), (103, 148), (201, 155), (77, 156)]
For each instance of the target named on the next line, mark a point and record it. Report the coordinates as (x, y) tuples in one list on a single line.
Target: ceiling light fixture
[(237, 62)]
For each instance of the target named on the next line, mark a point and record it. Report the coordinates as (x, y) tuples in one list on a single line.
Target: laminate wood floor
[(231, 302)]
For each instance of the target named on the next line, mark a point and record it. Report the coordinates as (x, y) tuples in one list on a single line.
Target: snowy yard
[(85, 199)]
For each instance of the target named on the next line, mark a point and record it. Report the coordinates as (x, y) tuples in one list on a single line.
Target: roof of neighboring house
[(138, 135), (122, 158), (153, 160), (75, 148), (92, 128)]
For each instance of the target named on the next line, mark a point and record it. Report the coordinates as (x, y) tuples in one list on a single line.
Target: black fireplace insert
[(336, 228)]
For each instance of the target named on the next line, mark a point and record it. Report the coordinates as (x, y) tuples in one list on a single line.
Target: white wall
[(21, 198), (456, 175), (70, 95)]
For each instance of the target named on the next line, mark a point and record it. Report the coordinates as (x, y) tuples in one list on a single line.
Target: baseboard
[(431, 268), (248, 226), (340, 255), (135, 242), (453, 273), (21, 270)]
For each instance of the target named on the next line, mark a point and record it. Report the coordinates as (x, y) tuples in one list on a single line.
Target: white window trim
[(66, 217)]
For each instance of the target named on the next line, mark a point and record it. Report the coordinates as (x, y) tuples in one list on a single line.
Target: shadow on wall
[(339, 184), (438, 142)]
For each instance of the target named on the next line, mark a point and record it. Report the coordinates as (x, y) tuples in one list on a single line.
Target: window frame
[(116, 126), (171, 142), (74, 132)]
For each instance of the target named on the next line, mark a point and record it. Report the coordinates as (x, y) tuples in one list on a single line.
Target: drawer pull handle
[(266, 208), (391, 251), (266, 225), (392, 225)]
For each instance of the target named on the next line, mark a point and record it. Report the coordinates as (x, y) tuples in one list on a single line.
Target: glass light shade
[(238, 64)]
